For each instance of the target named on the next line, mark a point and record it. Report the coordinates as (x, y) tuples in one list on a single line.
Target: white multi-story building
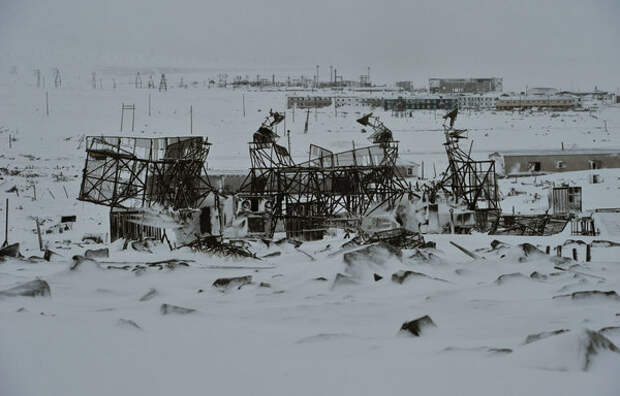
[(476, 101)]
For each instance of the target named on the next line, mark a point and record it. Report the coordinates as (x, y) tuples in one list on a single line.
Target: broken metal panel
[(320, 157), (531, 225), (126, 224)]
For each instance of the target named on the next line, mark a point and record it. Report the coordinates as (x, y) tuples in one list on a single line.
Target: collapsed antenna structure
[(138, 80), (469, 181), (382, 134), (163, 84), (57, 79), (330, 189)]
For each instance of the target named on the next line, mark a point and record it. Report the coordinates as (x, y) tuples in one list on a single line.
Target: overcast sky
[(563, 43)]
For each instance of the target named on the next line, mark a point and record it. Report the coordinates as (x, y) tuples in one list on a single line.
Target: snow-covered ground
[(294, 334)]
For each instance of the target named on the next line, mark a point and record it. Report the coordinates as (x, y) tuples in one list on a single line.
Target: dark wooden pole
[(6, 225), (39, 234)]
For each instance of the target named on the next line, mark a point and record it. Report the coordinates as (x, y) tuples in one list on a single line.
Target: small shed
[(407, 169), (565, 200)]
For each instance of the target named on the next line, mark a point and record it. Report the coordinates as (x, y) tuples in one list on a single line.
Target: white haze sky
[(572, 44)]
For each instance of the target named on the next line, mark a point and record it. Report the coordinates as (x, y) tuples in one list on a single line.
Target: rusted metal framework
[(329, 189), (127, 172), (471, 182)]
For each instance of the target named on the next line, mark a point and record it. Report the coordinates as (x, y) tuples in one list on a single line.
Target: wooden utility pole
[(131, 107), (47, 104), (243, 100), (39, 234), (288, 135), (149, 102), (191, 121), (307, 118), (6, 224), (37, 73)]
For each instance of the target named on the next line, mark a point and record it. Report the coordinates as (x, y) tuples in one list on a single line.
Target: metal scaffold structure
[(128, 172), (330, 189)]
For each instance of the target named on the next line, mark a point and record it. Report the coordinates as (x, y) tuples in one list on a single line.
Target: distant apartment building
[(465, 85), (429, 102), (364, 101), (538, 101), (536, 162), (477, 102)]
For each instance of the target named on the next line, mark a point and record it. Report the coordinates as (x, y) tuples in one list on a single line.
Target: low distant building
[(595, 95), (308, 102), (542, 91), (538, 101), (407, 169), (405, 85), (539, 162), (465, 85)]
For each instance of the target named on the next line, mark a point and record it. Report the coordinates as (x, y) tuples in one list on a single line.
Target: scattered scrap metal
[(218, 247)]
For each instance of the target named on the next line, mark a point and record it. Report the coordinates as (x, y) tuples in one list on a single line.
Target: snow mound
[(569, 351), (35, 288)]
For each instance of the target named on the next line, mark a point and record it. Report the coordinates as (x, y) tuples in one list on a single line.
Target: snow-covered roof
[(404, 162), (535, 97), (583, 151)]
